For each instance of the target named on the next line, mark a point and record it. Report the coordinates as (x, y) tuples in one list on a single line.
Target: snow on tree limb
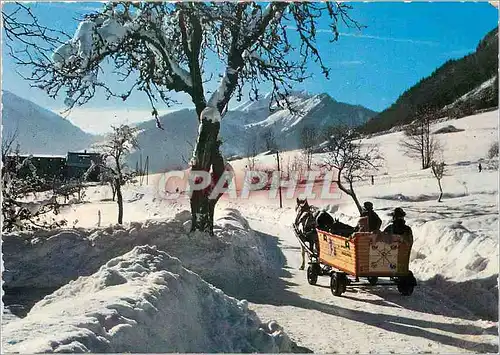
[(163, 47), (119, 33), (166, 44), (211, 114)]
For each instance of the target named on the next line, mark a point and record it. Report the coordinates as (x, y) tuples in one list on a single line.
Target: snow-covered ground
[(454, 257), (232, 260), (119, 294), (142, 301)]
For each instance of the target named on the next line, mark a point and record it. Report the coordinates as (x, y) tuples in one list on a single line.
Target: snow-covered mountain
[(248, 122), (311, 111), (40, 131)]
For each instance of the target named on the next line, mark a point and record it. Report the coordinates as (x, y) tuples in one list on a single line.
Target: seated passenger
[(399, 227), (374, 221)]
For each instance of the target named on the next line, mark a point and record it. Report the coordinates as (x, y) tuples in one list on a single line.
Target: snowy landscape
[(133, 260), (116, 282)]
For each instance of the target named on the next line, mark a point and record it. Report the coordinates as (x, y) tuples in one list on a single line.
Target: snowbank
[(460, 260), (233, 259), (455, 250), (143, 301), (8, 316)]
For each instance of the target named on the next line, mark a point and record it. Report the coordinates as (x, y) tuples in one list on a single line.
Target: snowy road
[(365, 319)]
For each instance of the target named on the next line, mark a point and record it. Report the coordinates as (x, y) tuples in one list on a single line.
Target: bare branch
[(418, 141), (159, 48), (351, 160)]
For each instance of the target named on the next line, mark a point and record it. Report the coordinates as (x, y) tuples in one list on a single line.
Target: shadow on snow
[(275, 290)]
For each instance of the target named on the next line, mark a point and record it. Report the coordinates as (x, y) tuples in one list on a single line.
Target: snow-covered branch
[(160, 47), (165, 45), (19, 181)]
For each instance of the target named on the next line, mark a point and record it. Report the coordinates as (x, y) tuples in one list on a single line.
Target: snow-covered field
[(142, 301), (125, 289), (131, 297)]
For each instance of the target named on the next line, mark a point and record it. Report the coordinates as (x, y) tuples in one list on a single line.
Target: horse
[(306, 217), (339, 228), (311, 217)]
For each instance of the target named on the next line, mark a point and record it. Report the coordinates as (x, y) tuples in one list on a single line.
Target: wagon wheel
[(338, 283), (372, 280), (406, 284), (312, 275)]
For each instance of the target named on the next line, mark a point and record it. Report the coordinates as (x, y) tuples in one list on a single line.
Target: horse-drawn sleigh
[(339, 252)]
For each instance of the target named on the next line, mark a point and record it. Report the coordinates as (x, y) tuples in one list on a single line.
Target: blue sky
[(403, 42)]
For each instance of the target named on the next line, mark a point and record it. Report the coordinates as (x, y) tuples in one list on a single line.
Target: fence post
[(142, 170), (147, 168), (279, 183)]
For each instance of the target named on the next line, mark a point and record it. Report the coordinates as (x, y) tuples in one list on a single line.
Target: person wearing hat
[(374, 221), (398, 226)]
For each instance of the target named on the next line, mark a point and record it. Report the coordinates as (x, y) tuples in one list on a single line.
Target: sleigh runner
[(370, 255)]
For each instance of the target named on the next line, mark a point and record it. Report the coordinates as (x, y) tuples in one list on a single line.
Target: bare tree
[(438, 171), (251, 152), (108, 179), (19, 180), (419, 142), (297, 168), (69, 188), (493, 151), (161, 47), (349, 159), (9, 144), (113, 169), (308, 140), (269, 139)]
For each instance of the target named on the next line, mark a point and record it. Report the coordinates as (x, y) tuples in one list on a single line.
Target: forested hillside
[(446, 85)]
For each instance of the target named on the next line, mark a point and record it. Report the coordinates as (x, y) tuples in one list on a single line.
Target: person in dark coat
[(399, 227), (374, 221)]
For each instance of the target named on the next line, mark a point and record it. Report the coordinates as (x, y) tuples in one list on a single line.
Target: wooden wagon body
[(362, 254), (365, 254)]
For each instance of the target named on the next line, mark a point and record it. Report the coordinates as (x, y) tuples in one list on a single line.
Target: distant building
[(49, 167), (58, 167), (77, 163)]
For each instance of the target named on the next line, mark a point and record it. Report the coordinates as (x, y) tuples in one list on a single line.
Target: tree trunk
[(349, 192), (206, 156), (119, 201), (200, 212), (355, 199), (113, 190), (428, 142), (422, 147), (206, 153), (440, 191)]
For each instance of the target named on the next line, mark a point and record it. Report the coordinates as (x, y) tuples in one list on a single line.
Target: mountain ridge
[(39, 130), (243, 128), (446, 84)]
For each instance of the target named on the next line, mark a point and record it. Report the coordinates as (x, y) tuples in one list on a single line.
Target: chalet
[(77, 163), (58, 167), (49, 167)]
